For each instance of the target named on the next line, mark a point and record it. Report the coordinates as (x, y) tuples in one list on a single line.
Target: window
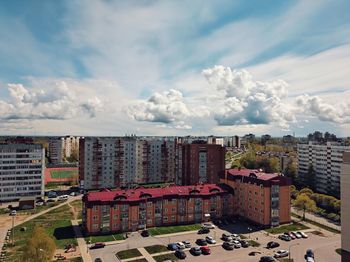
[(165, 219), (172, 218), (95, 208), (173, 209), (95, 226), (149, 204)]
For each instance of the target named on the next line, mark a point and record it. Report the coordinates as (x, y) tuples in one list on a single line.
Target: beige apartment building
[(345, 206)]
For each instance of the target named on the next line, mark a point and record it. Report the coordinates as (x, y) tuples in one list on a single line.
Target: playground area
[(56, 175)]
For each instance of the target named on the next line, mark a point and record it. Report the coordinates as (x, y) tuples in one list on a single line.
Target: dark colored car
[(173, 246), (98, 245), (272, 244), (285, 237), (98, 259), (201, 242), (309, 253), (145, 233), (204, 230), (290, 235), (253, 253), (228, 245), (180, 254), (206, 250), (267, 259), (196, 251), (187, 244), (244, 243)]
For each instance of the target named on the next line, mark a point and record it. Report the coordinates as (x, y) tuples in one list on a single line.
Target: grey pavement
[(81, 242)]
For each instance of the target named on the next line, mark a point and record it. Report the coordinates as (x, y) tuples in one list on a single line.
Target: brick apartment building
[(133, 209), (259, 197), (201, 163)]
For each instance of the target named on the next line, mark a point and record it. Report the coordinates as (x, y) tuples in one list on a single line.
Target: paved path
[(81, 242), (146, 254), (8, 225), (318, 219)]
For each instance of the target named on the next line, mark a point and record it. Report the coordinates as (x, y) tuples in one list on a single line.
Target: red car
[(290, 234), (205, 250)]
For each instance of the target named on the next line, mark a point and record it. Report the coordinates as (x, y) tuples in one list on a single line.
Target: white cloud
[(166, 107)]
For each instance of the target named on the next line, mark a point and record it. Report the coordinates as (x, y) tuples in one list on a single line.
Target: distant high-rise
[(56, 150), (21, 170), (345, 207)]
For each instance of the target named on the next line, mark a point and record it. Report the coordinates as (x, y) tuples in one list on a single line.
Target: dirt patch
[(318, 233)]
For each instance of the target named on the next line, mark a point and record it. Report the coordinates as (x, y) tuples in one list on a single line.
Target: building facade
[(134, 209), (56, 150), (201, 163), (345, 207), (107, 162), (325, 159), (21, 171), (259, 197)]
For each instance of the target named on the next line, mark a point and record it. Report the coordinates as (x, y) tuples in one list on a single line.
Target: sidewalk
[(177, 234), (84, 251), (146, 254)]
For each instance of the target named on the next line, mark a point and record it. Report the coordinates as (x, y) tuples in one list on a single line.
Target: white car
[(281, 253), (180, 245), (210, 240), (13, 213), (236, 243), (297, 235), (235, 237), (208, 225), (303, 234), (63, 198)]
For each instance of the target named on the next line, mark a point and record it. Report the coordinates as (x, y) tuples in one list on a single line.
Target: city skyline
[(174, 68)]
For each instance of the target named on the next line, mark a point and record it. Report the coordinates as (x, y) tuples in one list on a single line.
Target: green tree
[(305, 203), (310, 177), (291, 170), (39, 248), (293, 192), (306, 191)]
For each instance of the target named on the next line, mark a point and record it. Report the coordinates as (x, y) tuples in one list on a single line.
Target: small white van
[(63, 198)]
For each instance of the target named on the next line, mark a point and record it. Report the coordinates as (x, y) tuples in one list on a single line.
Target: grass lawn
[(330, 229), (156, 249), (77, 205), (76, 259), (37, 209), (129, 253), (63, 173), (338, 250), (294, 226), (173, 229), (254, 243), (104, 238), (139, 260), (56, 224), (55, 185), (161, 258)]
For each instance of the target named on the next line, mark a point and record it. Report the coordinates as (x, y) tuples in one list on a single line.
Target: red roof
[(139, 193), (249, 172)]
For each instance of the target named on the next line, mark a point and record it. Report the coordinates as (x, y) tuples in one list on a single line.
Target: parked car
[(297, 235), (218, 222), (285, 237), (236, 243), (145, 233), (204, 230), (226, 237), (244, 243), (303, 235), (180, 245), (98, 259), (281, 253), (228, 245), (253, 253), (187, 244), (210, 240), (13, 213), (205, 250), (196, 251), (63, 198), (201, 242), (172, 246), (272, 244), (267, 259), (309, 253), (180, 254), (235, 237), (290, 234), (208, 225), (98, 245)]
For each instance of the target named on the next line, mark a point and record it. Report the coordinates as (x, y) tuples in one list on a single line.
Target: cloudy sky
[(174, 67)]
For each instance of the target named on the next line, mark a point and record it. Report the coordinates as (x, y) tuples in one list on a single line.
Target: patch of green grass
[(130, 253), (173, 229), (38, 209), (77, 205), (242, 236), (63, 173), (338, 250), (55, 185), (294, 226), (57, 225), (161, 258), (254, 243), (139, 260), (156, 249), (104, 238), (76, 259), (330, 229)]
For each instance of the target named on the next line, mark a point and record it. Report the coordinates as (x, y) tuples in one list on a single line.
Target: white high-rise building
[(21, 171), (325, 160), (345, 207)]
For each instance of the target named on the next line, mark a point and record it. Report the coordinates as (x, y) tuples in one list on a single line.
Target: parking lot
[(323, 246)]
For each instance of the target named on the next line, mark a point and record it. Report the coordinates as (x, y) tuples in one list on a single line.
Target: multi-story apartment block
[(201, 163), (56, 150), (21, 171), (345, 207), (70, 145), (259, 197), (133, 209), (325, 159), (107, 162)]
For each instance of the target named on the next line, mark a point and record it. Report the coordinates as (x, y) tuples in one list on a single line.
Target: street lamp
[(290, 248)]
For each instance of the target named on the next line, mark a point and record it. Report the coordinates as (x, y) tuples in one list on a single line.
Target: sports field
[(63, 173)]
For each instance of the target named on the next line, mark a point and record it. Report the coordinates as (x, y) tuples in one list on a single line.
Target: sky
[(174, 67)]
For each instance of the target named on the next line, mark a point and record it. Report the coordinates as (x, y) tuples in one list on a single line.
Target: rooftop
[(256, 173), (141, 193)]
